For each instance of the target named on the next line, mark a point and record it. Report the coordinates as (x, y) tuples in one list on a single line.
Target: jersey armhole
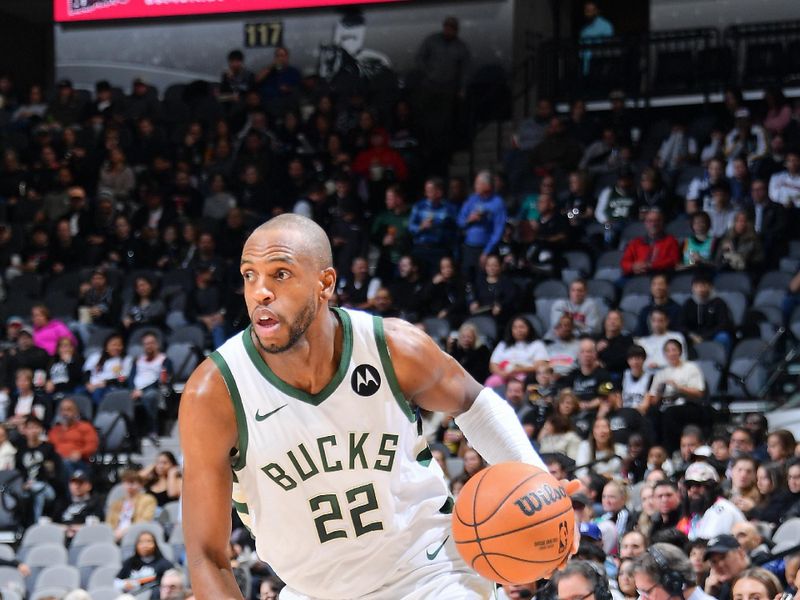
[(238, 409), (388, 369)]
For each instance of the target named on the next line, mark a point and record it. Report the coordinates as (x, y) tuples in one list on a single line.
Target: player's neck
[(312, 362)]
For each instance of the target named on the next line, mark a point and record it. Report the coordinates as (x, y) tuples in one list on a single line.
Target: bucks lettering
[(330, 455), (533, 502)]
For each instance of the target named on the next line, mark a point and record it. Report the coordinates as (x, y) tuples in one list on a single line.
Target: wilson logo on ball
[(532, 502)]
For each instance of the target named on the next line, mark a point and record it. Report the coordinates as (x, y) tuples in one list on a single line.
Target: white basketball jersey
[(338, 488)]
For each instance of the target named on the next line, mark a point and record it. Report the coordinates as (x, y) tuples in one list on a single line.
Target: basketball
[(513, 523)]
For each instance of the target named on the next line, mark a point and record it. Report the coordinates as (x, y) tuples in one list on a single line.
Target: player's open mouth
[(265, 324)]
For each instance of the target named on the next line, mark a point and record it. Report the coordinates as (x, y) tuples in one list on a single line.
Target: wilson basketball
[(513, 523)]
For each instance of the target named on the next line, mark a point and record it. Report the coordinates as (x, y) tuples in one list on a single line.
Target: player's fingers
[(571, 487)]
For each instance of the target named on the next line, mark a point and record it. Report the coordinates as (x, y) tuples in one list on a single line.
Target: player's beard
[(297, 328)]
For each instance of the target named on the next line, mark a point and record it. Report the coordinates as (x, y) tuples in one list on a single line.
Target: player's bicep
[(428, 377), (208, 432)]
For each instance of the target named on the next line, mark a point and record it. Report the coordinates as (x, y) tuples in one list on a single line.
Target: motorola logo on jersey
[(365, 380)]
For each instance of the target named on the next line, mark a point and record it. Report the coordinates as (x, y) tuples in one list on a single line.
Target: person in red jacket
[(655, 252), (74, 439), (373, 163)]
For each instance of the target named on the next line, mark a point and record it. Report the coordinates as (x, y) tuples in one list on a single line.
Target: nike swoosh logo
[(260, 417), (435, 553)]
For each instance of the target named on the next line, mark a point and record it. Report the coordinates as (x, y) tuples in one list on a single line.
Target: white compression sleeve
[(492, 428)]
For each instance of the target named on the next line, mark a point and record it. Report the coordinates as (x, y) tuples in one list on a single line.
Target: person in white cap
[(710, 514)]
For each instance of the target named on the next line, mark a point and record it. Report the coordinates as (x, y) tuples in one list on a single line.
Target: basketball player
[(306, 420)]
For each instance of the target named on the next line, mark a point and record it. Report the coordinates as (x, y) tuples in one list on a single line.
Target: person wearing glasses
[(728, 560), (661, 571), (581, 580), (173, 585)]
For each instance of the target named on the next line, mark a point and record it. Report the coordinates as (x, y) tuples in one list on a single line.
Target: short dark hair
[(235, 55)]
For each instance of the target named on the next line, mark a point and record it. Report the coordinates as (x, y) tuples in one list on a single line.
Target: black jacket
[(706, 320)]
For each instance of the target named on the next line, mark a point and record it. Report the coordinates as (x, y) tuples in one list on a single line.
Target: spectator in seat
[(602, 155), (705, 316), (668, 506), (358, 289), (624, 422), (173, 585), (635, 382), (47, 331), (649, 574), (698, 196), (652, 253), (389, 231), (779, 111), (278, 82), (40, 466), (97, 303), (557, 151), (25, 355), (433, 225), (80, 503), (583, 310), (709, 514), (552, 234), (580, 204), (481, 220), (136, 506), (653, 344), (470, 352), (146, 566), (74, 439), (493, 293), (107, 369), (236, 80), (750, 538), (151, 371), (600, 453), (618, 205), (144, 309), (675, 395), (740, 249), (746, 140), (613, 345), (769, 221), (784, 187), (66, 108), (408, 288), (517, 355), (728, 560), (659, 298), (383, 304), (653, 193), (65, 374), (117, 176), (446, 294), (793, 484), (162, 478), (26, 400), (205, 304), (563, 351), (743, 489), (775, 496), (585, 380), (698, 248), (558, 436), (721, 212), (531, 131), (781, 445), (380, 162), (142, 102), (677, 149)]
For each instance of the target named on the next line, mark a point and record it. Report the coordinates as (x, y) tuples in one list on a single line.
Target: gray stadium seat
[(543, 306), (184, 359), (737, 303), (486, 326), (536, 322), (636, 285), (88, 535), (103, 577), (629, 321), (191, 334), (104, 593), (580, 261), (754, 376), (112, 430), (634, 302), (177, 544), (612, 258), (681, 283), (769, 297), (36, 535), (49, 592), (42, 556), (748, 348), (117, 401), (438, 329), (711, 351), (680, 297), (712, 375), (63, 576), (774, 280), (608, 273), (7, 552), (789, 264), (550, 288), (602, 288), (734, 282), (10, 578), (631, 231), (97, 555)]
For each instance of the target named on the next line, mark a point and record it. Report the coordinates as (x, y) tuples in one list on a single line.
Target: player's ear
[(327, 282)]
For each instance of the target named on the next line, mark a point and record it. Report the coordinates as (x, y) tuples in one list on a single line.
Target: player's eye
[(248, 276), (282, 275)]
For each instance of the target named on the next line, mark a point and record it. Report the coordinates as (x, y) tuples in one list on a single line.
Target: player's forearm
[(493, 429), (211, 582)]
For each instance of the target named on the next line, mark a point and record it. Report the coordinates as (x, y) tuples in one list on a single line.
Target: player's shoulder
[(206, 387), (404, 339)]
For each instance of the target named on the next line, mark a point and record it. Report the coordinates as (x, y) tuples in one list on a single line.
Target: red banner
[(95, 10)]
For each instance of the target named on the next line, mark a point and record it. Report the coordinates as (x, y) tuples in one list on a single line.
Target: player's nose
[(263, 294)]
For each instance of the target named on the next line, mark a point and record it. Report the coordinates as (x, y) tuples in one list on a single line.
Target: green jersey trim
[(238, 409), (241, 508), (388, 368), (313, 399)]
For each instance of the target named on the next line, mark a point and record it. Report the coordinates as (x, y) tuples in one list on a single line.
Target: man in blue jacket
[(481, 220)]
